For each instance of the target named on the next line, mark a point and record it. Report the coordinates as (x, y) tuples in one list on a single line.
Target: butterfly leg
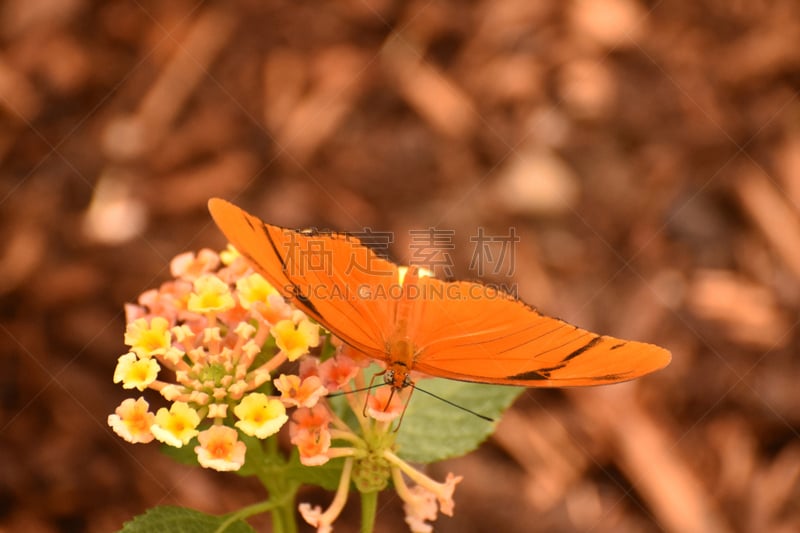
[(366, 396), (408, 399)]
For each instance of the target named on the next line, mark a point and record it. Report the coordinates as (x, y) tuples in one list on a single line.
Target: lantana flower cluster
[(213, 342)]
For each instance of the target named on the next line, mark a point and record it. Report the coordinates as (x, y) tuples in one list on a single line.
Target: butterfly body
[(414, 322)]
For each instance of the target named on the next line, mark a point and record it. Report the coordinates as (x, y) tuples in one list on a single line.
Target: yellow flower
[(220, 449), (293, 340), (132, 421), (210, 294), (134, 372), (254, 288), (229, 255), (259, 415), (176, 427), (146, 339)]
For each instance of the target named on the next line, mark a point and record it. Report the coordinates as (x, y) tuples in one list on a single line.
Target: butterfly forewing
[(331, 276)]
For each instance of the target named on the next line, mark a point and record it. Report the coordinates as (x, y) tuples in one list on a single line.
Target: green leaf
[(268, 351), (181, 520), (432, 430), (183, 455), (327, 349), (254, 456)]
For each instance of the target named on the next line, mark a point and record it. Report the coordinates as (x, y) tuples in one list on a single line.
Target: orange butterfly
[(410, 321)]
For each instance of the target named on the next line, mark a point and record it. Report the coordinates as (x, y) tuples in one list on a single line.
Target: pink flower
[(190, 266), (309, 366), (323, 520), (315, 517), (168, 301), (337, 371), (385, 404), (420, 508), (419, 500)]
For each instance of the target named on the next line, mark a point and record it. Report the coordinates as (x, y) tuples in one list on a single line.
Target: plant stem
[(282, 495), (369, 508), (287, 518), (272, 474), (244, 512)]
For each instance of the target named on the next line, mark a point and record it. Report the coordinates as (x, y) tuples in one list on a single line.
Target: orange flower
[(132, 421), (220, 449), (309, 432), (309, 418), (313, 445), (300, 393)]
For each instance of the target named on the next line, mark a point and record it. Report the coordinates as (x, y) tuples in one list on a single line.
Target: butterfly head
[(397, 376)]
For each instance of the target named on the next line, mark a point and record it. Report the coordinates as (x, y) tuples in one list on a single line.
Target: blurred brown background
[(647, 154)]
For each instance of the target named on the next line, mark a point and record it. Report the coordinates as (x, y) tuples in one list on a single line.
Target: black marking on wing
[(619, 345), (534, 375), (296, 292), (613, 377), (303, 299), (588, 346), (274, 246), (545, 374)]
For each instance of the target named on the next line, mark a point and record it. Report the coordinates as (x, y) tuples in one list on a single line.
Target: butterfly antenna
[(448, 402), (353, 391)]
